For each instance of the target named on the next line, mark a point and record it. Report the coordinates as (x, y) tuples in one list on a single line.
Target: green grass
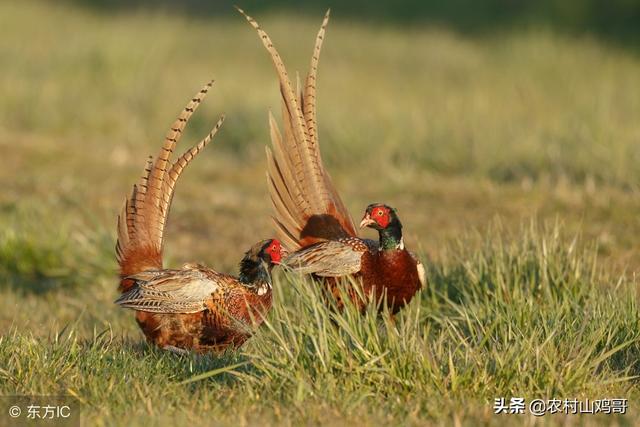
[(470, 137), (526, 317)]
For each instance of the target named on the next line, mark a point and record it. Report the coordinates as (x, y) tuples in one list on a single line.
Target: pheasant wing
[(328, 259), (173, 291)]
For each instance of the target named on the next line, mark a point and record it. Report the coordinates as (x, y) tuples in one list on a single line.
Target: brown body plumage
[(223, 318), (193, 308), (311, 219)]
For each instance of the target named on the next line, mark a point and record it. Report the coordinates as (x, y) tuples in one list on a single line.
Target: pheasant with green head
[(311, 219)]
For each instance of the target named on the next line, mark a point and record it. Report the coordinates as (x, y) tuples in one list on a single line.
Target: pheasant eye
[(273, 247), (380, 213)]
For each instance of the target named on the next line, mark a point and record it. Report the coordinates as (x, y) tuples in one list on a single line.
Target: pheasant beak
[(366, 221)]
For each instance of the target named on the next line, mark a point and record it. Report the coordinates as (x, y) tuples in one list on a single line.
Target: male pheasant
[(192, 308), (311, 219)]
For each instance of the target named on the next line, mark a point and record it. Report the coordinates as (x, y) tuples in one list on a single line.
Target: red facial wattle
[(275, 252), (381, 216)]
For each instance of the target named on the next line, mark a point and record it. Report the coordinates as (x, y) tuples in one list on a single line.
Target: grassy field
[(513, 159)]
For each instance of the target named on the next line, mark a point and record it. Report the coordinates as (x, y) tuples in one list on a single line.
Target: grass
[(470, 137), (527, 318)]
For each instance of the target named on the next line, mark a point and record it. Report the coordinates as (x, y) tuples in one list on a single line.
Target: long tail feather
[(299, 186), (143, 217), (153, 202), (309, 96), (176, 169)]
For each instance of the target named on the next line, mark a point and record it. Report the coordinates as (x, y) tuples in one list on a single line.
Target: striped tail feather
[(307, 207), (143, 216)]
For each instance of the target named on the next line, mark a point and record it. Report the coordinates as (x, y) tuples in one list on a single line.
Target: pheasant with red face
[(192, 308), (311, 219)]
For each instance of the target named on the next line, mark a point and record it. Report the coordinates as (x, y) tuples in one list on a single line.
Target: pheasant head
[(259, 260), (385, 219)]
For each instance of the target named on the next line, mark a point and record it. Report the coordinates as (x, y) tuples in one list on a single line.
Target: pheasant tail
[(307, 207), (143, 217)]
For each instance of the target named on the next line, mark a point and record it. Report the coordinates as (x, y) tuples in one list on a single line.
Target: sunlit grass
[(454, 131), (522, 317)]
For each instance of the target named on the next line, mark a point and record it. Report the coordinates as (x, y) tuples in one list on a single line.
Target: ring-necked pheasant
[(193, 308), (310, 217)]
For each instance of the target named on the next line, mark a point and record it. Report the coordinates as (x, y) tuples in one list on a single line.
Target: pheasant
[(192, 308), (311, 219)]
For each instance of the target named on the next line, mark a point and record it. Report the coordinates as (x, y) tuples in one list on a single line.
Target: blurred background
[(614, 20), (469, 117)]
